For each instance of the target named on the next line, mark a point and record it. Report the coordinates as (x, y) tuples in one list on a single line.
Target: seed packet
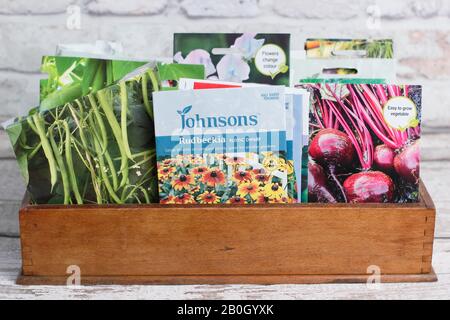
[(364, 143), (98, 148), (297, 114), (221, 145), (248, 57), (299, 106), (337, 59)]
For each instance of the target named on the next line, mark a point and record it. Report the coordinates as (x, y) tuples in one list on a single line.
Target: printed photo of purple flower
[(197, 56), (247, 45), (233, 68)]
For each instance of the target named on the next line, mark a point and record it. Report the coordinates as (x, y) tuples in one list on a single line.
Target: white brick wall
[(30, 29)]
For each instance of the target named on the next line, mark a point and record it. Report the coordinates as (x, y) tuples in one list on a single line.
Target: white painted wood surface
[(10, 265), (435, 173)]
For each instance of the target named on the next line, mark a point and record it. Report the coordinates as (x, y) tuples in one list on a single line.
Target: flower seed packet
[(297, 113), (237, 57), (221, 145)]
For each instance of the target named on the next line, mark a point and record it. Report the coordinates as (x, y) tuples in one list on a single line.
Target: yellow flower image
[(249, 188), (234, 160), (199, 171), (281, 200), (261, 176), (274, 191), (236, 200), (184, 198), (213, 177), (287, 165), (243, 176), (193, 159), (167, 200), (262, 199), (165, 172), (179, 159), (208, 197), (271, 163), (232, 178), (182, 182)]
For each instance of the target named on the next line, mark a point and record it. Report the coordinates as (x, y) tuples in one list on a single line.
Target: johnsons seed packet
[(221, 146), (297, 136)]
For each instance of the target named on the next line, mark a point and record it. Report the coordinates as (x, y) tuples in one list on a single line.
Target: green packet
[(70, 78), (98, 148)]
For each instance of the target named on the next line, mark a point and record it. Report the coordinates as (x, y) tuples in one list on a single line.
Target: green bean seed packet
[(98, 148)]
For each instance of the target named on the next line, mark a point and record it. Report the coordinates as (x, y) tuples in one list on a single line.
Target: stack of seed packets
[(296, 110), (221, 145), (297, 134)]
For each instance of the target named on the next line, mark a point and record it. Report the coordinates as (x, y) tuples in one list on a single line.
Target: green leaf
[(100, 77), (14, 130), (22, 161), (59, 98), (64, 63), (175, 71), (91, 68), (120, 68)]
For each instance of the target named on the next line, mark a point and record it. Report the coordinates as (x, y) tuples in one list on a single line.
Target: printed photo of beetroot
[(356, 156)]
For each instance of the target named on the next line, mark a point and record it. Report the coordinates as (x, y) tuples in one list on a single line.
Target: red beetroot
[(370, 186), (407, 163), (331, 147), (383, 158), (317, 189)]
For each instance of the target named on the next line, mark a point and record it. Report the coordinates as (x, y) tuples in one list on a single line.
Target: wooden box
[(156, 244)]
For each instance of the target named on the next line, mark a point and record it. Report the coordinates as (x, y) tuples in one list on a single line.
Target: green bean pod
[(69, 161), (61, 165), (40, 128)]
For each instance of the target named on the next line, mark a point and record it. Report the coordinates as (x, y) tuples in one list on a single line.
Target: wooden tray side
[(306, 243)]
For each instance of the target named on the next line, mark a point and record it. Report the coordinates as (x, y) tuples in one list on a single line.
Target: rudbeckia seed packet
[(297, 128), (221, 145), (237, 57)]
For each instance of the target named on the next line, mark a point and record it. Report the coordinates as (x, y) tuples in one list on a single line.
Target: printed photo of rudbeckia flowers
[(244, 178)]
